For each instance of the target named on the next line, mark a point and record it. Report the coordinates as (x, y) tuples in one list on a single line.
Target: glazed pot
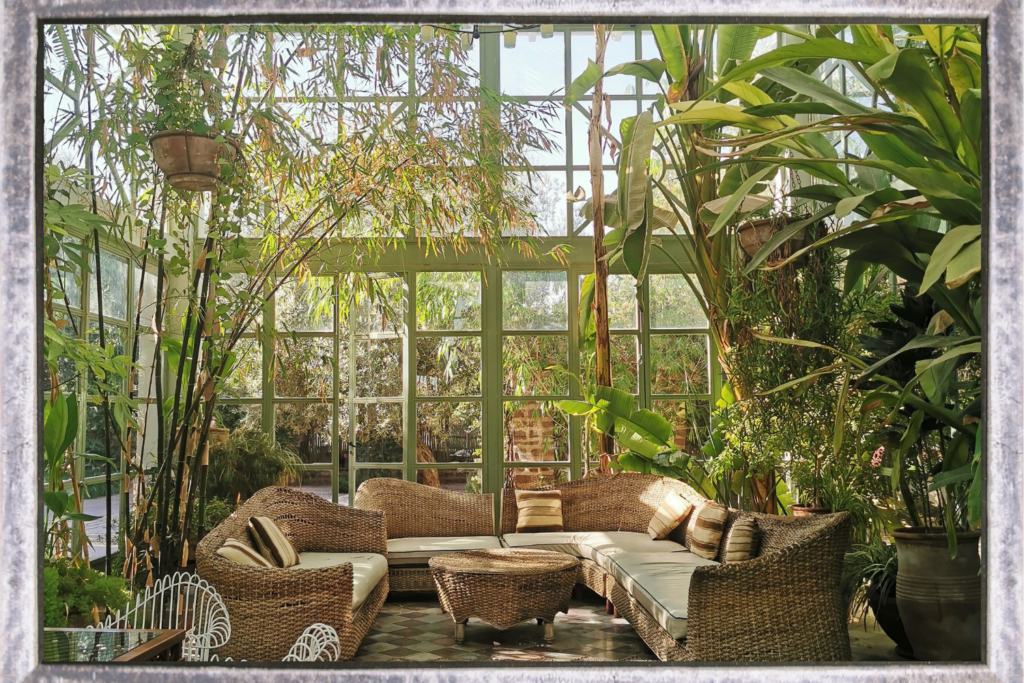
[(801, 511), (939, 598), (191, 161)]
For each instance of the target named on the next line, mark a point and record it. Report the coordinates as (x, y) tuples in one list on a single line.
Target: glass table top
[(92, 645)]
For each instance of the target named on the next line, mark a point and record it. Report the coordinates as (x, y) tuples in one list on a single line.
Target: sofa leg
[(608, 607), (460, 632), (615, 611)]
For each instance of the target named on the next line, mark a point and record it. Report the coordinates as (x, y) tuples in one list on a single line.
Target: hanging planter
[(756, 233), (191, 161)]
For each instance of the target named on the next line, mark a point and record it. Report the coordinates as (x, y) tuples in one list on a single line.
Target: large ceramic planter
[(887, 616), (940, 598), (191, 161)]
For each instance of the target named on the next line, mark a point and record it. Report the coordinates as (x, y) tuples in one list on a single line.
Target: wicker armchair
[(784, 605), (413, 510), (270, 607)]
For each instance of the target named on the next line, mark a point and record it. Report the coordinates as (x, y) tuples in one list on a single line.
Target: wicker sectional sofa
[(341, 579), (783, 605)]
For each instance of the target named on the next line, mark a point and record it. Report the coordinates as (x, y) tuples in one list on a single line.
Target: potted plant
[(869, 581), (190, 144)]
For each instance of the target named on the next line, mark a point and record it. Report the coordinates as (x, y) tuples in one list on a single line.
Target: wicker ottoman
[(504, 586)]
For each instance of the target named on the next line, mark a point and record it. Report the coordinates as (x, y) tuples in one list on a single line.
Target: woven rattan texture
[(413, 510), (411, 579), (270, 607), (531, 584), (621, 502)]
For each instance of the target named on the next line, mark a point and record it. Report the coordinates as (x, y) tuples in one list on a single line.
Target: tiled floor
[(411, 627)]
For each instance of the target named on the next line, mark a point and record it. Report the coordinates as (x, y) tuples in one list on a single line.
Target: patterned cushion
[(539, 511), (671, 514), (707, 523), (236, 551), (262, 547), (280, 547), (740, 541)]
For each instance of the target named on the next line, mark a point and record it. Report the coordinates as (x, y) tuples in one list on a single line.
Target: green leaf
[(964, 265), (846, 206), (647, 69), (637, 141), (752, 95), (964, 74), (578, 408), (817, 90), (949, 247), (615, 401), (781, 236), (636, 249), (56, 502), (633, 463), (734, 200), (736, 42), (789, 108), (586, 312), (54, 429), (673, 52), (583, 83), (653, 426), (956, 476), (717, 114), (921, 341), (970, 115), (907, 75)]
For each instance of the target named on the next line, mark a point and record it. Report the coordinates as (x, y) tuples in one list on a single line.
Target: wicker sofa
[(341, 579), (783, 605), (423, 521)]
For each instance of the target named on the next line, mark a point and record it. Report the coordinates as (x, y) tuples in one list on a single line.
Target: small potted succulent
[(190, 145)]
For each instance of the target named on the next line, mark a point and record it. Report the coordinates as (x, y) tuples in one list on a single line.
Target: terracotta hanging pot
[(755, 234), (939, 598), (810, 511), (191, 161)]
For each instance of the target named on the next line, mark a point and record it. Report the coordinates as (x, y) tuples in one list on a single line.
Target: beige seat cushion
[(660, 582), (592, 545), (367, 570), (416, 551)]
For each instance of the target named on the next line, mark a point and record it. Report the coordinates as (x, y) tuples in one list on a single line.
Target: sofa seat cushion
[(367, 570), (416, 551), (598, 546), (660, 582)]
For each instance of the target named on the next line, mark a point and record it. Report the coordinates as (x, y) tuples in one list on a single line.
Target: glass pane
[(535, 300), (544, 193), (679, 364), (649, 50), (620, 109), (304, 367), (554, 129), (114, 274), (95, 443), (364, 473), (380, 303), (448, 301), (313, 481), (621, 47), (535, 431), (625, 363), (66, 371), (305, 306), (461, 480), (246, 377), (528, 478), (66, 276), (380, 432), (581, 178), (92, 645), (233, 294), (673, 303), (148, 313), (306, 429), (448, 366), (534, 67), (448, 432), (531, 365), (94, 503), (379, 367), (691, 422), (245, 417), (115, 338), (621, 301)]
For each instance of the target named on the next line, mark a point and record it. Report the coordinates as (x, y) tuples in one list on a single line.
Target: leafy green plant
[(869, 566), (79, 595), (246, 462)]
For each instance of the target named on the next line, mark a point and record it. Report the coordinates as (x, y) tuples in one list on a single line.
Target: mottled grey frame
[(20, 324)]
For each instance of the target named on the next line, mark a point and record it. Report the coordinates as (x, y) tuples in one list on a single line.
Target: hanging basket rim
[(176, 132)]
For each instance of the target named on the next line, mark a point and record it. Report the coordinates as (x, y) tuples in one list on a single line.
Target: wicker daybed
[(783, 605), (423, 521), (335, 582)]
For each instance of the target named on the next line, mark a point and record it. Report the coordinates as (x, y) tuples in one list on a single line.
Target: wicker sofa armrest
[(785, 605)]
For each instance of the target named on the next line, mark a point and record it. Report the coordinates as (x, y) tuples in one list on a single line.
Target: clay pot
[(755, 234), (939, 598), (190, 161), (800, 511)]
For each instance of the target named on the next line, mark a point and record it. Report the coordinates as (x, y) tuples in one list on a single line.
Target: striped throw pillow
[(707, 523), (671, 514), (280, 547), (539, 511), (262, 547), (236, 551), (740, 541)]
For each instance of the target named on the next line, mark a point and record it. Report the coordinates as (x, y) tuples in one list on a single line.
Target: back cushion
[(706, 527), (539, 511), (280, 547)]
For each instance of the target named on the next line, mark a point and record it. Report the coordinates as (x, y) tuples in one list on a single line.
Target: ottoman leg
[(460, 632), (549, 631)]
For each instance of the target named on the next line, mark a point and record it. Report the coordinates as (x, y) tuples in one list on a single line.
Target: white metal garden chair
[(185, 601)]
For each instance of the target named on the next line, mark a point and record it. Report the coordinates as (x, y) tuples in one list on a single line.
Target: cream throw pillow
[(280, 547), (707, 524), (539, 511), (236, 551), (741, 541), (671, 514)]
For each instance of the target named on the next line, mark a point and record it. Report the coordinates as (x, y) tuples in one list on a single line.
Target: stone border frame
[(21, 332)]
